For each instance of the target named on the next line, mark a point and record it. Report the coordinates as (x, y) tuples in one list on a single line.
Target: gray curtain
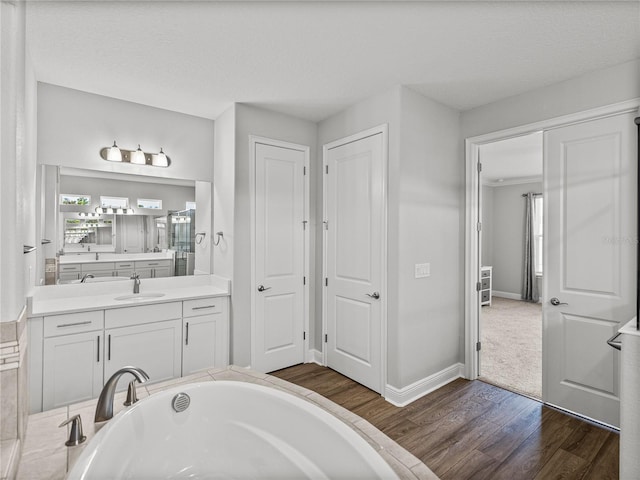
[(529, 280)]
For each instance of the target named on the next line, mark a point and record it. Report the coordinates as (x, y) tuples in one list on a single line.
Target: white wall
[(486, 256), (223, 193), (73, 126), (430, 185), (424, 225), (507, 232), (380, 109), (17, 217), (602, 87), (232, 190)]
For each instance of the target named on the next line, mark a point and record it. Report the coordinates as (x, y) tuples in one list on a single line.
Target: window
[(114, 202), (71, 199), (538, 231), (150, 203)]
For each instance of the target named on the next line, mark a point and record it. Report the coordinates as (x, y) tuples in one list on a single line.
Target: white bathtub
[(230, 430)]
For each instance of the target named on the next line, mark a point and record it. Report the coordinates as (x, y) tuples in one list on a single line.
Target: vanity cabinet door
[(154, 347), (205, 337), (72, 368), (159, 272)]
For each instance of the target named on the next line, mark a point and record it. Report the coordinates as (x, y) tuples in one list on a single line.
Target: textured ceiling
[(312, 59)]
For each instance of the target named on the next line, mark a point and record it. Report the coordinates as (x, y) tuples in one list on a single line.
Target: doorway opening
[(511, 263)]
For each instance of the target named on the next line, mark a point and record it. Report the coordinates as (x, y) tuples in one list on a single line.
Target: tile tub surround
[(13, 393), (46, 457)]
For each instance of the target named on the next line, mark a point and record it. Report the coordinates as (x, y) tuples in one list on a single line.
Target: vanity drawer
[(152, 263), (127, 265), (97, 267), (74, 267), (202, 306), (138, 315), (55, 325)]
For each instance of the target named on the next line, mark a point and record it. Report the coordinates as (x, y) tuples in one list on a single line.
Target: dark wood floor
[(473, 430)]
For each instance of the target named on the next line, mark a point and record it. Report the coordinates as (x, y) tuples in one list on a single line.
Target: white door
[(590, 238), (279, 257), (132, 227), (355, 231)]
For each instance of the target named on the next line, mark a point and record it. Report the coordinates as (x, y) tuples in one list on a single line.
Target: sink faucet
[(136, 282), (84, 277), (104, 409)]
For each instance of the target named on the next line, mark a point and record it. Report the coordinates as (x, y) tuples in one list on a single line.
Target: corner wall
[(425, 204), (17, 215), (251, 120)]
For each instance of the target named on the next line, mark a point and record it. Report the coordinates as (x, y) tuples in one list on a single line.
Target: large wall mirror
[(99, 216)]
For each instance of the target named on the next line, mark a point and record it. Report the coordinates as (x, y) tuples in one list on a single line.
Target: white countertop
[(56, 299), (90, 257), (630, 328)]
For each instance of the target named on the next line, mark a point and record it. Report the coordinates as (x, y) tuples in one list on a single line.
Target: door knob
[(555, 302), (262, 288), (375, 295)]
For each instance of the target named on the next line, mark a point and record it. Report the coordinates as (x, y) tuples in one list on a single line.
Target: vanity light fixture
[(160, 160), (137, 157), (114, 154), (111, 211)]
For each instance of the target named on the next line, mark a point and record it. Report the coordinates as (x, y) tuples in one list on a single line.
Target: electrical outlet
[(423, 270)]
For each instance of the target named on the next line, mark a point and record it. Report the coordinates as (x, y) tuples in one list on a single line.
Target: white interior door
[(590, 263), (354, 249), (279, 257)]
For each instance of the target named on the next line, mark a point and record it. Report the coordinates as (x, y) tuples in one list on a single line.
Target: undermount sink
[(140, 296)]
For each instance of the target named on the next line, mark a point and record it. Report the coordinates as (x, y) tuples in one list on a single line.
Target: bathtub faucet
[(104, 410), (136, 282)]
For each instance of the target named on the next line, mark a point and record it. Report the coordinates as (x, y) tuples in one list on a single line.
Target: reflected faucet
[(104, 409), (84, 278), (136, 282)]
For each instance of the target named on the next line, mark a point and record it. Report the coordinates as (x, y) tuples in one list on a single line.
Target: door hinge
[(326, 169), (478, 346), (479, 226), (478, 286), (326, 281), (326, 224), (325, 338), (479, 167), (304, 224)]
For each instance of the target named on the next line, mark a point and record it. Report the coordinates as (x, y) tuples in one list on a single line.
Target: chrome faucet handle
[(75, 435), (132, 395)]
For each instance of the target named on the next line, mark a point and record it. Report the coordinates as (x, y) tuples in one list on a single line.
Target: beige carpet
[(511, 336)]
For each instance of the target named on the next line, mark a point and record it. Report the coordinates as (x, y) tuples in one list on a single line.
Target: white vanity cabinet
[(205, 334), (70, 272), (73, 353), (153, 268), (146, 336), (98, 269)]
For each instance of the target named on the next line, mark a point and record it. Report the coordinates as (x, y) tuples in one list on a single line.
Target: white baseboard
[(509, 295), (314, 356), (401, 397)]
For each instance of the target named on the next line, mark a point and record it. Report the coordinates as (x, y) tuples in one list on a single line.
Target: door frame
[(384, 130), (253, 141), (472, 234)]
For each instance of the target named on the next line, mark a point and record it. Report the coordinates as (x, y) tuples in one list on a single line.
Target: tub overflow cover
[(180, 402)]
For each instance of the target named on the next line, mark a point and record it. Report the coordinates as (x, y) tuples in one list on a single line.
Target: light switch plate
[(423, 270)]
